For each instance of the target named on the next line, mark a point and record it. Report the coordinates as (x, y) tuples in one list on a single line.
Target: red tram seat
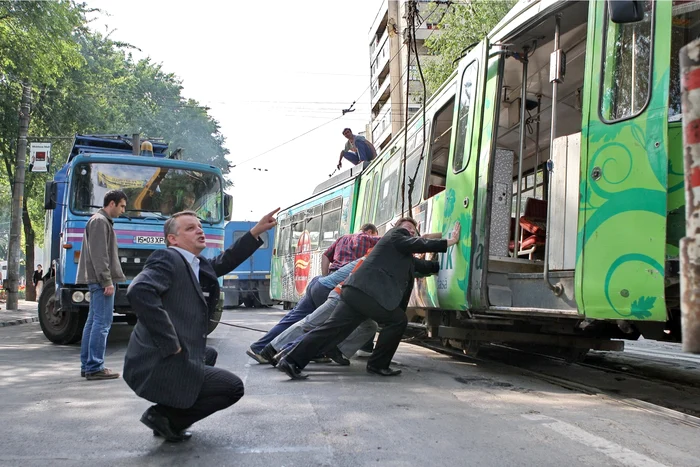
[(533, 228)]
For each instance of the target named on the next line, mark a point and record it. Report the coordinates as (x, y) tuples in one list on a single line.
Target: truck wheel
[(213, 325), (249, 302), (60, 327)]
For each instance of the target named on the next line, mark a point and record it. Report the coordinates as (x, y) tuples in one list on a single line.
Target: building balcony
[(380, 64), (380, 93), (381, 126), (376, 46), (380, 21)]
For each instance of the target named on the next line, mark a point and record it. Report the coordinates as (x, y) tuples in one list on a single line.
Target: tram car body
[(571, 204)]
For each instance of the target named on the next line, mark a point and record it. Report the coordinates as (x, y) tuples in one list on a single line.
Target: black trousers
[(353, 308), (221, 389)]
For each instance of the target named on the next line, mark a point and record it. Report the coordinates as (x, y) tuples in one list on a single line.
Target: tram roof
[(340, 178)]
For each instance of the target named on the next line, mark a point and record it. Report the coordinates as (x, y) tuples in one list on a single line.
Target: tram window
[(685, 28), (411, 165), (466, 103), (298, 226), (284, 240), (263, 236), (375, 192), (330, 227), (369, 198), (313, 226), (626, 67), (388, 189), (335, 203)]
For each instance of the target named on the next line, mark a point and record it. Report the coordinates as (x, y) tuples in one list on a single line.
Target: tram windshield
[(151, 191)]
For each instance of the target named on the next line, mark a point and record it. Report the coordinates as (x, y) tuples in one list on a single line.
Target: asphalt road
[(440, 411)]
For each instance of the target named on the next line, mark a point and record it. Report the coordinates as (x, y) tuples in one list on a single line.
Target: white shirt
[(191, 259)]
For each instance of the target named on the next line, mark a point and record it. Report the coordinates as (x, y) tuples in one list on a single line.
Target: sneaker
[(256, 356), (104, 373), (82, 374)]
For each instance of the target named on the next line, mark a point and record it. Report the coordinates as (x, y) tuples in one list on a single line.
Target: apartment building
[(390, 72)]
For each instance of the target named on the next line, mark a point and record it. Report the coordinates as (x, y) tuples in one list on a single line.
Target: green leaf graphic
[(642, 306)]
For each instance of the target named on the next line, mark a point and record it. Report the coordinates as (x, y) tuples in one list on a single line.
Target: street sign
[(40, 156)]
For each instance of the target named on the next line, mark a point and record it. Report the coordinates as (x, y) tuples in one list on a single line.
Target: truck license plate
[(148, 240)]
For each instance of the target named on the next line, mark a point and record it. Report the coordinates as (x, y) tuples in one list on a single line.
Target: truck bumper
[(68, 302)]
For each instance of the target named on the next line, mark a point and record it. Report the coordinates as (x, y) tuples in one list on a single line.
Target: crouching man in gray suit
[(167, 360)]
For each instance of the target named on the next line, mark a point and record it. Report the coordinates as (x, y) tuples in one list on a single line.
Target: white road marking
[(615, 451)]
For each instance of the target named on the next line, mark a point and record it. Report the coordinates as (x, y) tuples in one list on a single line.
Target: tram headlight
[(87, 297), (78, 297)]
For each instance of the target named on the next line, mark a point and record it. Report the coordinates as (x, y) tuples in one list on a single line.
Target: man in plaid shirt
[(348, 248)]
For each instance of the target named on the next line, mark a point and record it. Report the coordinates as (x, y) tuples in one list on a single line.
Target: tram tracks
[(669, 399)]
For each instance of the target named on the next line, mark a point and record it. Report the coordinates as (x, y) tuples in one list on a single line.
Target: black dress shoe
[(184, 434), (337, 356), (160, 423), (382, 371), (291, 369), (268, 352)]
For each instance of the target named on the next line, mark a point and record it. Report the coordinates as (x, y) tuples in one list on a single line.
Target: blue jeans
[(364, 153), (315, 296), (99, 321)]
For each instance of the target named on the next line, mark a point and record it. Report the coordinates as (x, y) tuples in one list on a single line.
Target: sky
[(269, 71)]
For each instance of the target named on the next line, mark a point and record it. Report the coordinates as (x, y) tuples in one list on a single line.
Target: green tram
[(557, 145)]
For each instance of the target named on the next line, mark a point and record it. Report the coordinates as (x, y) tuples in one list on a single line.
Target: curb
[(18, 321)]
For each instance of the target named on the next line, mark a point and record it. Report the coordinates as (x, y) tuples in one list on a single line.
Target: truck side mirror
[(50, 195), (625, 11), (228, 206)]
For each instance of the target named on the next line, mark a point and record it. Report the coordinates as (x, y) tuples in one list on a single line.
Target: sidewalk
[(27, 313)]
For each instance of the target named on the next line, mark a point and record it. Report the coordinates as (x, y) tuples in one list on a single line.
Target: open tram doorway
[(523, 188)]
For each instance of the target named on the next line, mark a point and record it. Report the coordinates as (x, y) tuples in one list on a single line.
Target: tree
[(83, 82), (461, 26)]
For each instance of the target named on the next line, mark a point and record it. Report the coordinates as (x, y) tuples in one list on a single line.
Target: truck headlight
[(78, 297), (87, 297)]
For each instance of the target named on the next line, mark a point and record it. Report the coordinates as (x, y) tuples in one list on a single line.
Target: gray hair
[(171, 227)]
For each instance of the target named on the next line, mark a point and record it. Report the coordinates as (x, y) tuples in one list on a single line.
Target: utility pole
[(690, 244), (17, 195)]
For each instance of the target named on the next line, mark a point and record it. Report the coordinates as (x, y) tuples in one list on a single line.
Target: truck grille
[(132, 261)]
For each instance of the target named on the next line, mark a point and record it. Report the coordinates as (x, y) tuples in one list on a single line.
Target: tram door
[(460, 192), (624, 150)]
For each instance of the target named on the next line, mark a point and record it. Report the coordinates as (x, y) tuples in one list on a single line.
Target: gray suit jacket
[(387, 273), (173, 311)]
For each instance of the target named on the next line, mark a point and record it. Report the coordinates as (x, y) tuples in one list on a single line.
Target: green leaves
[(461, 25), (83, 82)]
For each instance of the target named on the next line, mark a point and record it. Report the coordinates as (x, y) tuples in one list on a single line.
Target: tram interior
[(538, 44), (524, 255)]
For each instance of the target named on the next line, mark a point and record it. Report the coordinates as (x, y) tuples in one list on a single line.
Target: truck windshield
[(151, 191)]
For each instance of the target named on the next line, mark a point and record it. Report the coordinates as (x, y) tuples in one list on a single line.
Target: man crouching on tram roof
[(379, 290), (167, 360)]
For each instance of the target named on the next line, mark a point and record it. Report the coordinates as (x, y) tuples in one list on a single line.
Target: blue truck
[(249, 283), (156, 184)]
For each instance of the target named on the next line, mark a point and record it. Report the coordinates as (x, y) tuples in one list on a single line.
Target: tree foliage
[(84, 82), (462, 25)]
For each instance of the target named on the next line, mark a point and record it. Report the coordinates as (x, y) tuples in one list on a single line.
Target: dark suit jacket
[(388, 272), (173, 311)]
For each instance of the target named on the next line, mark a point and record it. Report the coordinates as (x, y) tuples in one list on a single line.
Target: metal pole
[(537, 143), (17, 195), (523, 105), (557, 288), (690, 244), (135, 144)]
